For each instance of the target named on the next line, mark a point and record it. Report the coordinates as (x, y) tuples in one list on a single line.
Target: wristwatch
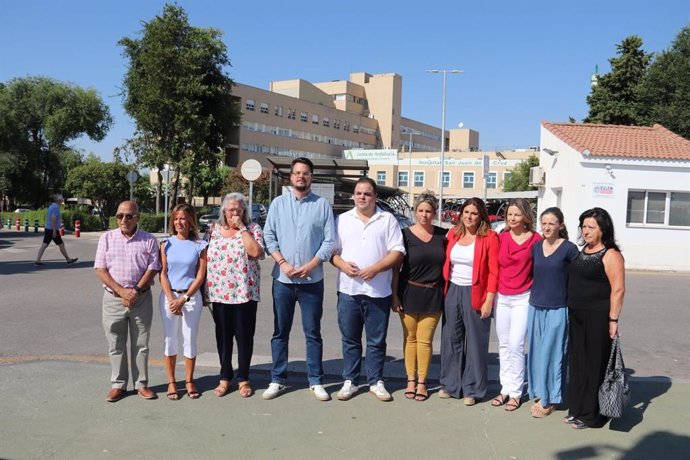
[(187, 298), (137, 288)]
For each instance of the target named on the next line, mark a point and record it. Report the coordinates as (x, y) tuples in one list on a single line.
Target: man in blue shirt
[(52, 231), (299, 237)]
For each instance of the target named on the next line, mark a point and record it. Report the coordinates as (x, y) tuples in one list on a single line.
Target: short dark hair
[(304, 161), (370, 181)]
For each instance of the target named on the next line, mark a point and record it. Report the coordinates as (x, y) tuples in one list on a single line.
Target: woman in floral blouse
[(233, 286)]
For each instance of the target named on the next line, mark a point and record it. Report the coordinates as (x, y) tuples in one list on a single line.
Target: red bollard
[(62, 227), (77, 228), (19, 223)]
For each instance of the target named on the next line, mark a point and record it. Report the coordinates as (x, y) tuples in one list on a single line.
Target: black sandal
[(421, 396), (500, 400), (193, 393), (173, 395), (413, 393)]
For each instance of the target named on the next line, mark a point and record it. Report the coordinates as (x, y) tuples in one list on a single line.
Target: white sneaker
[(347, 391), (379, 390), (320, 392), (273, 391)]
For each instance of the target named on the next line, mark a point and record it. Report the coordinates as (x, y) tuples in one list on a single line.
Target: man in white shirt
[(368, 244)]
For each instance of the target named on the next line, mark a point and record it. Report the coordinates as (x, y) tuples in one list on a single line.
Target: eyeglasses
[(301, 174), (125, 216), (231, 210)]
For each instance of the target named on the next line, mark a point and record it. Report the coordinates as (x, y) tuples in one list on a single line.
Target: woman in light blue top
[(547, 323), (183, 258)]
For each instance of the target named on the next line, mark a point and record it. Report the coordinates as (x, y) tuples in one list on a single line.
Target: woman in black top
[(418, 292), (596, 287)]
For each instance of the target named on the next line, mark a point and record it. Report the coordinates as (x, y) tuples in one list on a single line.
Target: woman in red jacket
[(471, 275)]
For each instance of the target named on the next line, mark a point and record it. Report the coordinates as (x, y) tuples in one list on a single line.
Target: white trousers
[(191, 314), (511, 328)]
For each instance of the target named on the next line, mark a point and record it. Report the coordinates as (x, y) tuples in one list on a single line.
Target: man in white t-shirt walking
[(368, 244)]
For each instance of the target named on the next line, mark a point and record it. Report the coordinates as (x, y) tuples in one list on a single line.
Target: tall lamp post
[(443, 134), (409, 173)]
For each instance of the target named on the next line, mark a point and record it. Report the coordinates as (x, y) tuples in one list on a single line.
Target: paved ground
[(54, 377)]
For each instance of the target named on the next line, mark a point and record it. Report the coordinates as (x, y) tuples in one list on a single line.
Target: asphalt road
[(54, 376), (55, 310)]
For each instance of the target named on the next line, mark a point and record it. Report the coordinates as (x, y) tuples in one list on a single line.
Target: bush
[(88, 222), (148, 222), (31, 215)]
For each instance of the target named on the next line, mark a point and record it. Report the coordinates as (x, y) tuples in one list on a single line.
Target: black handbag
[(614, 392)]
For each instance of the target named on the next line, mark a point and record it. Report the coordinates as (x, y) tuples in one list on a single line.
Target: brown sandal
[(500, 400), (538, 411), (513, 404), (222, 389), (192, 392), (245, 389)]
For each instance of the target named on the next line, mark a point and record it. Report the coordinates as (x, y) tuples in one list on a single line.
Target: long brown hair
[(484, 222)]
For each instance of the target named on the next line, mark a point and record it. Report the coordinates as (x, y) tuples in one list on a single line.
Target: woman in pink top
[(512, 305)]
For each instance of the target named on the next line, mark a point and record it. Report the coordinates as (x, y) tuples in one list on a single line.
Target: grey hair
[(428, 197), (57, 197), (235, 196)]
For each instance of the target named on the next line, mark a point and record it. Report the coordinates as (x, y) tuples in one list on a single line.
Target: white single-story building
[(640, 175)]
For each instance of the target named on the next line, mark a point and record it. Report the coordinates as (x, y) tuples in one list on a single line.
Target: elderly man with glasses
[(127, 259)]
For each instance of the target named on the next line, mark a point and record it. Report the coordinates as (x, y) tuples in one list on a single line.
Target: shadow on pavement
[(643, 390), (24, 266)]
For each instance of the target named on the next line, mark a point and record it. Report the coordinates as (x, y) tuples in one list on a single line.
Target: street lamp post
[(166, 179), (409, 172), (443, 134)]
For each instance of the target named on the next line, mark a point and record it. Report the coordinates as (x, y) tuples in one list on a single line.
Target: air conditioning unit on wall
[(536, 176)]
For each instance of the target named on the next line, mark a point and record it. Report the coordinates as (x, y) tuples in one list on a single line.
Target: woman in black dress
[(596, 287), (418, 292)]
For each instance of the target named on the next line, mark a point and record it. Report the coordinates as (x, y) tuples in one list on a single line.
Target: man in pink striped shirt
[(127, 259)]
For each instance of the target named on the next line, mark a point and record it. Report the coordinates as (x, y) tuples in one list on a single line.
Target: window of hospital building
[(263, 108), (315, 119), (303, 116), (467, 179), (291, 113), (419, 178), (403, 178), (491, 180), (326, 122), (249, 104), (381, 177), (279, 111)]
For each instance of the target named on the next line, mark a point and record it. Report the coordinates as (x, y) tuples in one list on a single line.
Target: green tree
[(207, 181), (104, 183), (518, 180), (39, 116), (615, 99), (234, 182), (665, 88), (178, 93)]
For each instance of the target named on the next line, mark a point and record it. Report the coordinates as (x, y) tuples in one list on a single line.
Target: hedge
[(147, 222)]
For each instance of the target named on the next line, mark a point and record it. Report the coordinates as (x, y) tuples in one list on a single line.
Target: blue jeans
[(356, 313), (310, 298)]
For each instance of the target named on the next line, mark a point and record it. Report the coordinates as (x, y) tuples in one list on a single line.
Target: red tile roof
[(654, 142)]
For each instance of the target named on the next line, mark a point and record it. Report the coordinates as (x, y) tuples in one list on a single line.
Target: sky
[(524, 61)]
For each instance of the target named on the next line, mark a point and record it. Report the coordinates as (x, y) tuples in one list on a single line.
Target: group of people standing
[(540, 287)]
